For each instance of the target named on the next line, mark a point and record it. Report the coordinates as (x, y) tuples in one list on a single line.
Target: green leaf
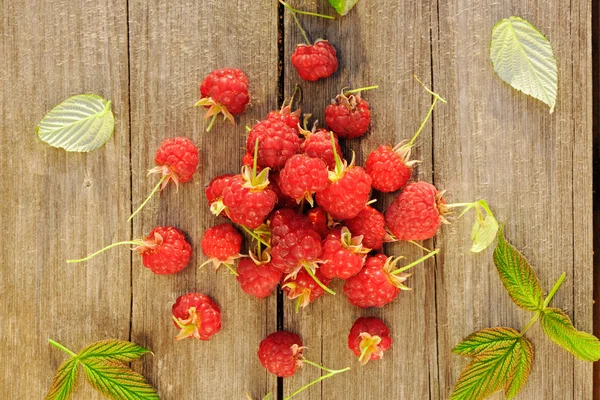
[(116, 381), (523, 58), (486, 339), (520, 373), (560, 329), (487, 373), (65, 381), (485, 228), (113, 350), (343, 6), (518, 277), (81, 123)]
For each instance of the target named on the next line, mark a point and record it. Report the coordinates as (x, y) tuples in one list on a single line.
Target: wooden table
[(148, 57)]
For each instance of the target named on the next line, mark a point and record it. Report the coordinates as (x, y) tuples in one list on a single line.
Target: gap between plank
[(280, 98), (130, 172)]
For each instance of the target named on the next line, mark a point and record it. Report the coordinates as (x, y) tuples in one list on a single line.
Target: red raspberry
[(248, 160), (165, 250), (316, 61), (389, 169), (347, 194), (258, 278), (196, 315), (176, 159), (304, 288), (369, 224), (369, 338), (214, 190), (283, 201), (299, 248), (283, 222), (416, 213), (302, 176), (348, 116), (319, 221), (281, 353), (318, 145), (222, 244), (224, 91), (343, 254), (375, 285), (277, 142), (287, 116), (248, 201)]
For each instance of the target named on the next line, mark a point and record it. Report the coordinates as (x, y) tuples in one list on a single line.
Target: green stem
[(293, 10), (212, 121), (420, 246), (160, 182), (436, 97), (328, 375), (412, 264), (339, 166), (530, 324), (302, 31), (230, 267), (255, 236), (312, 275), (255, 161), (63, 348), (559, 282), (134, 243), (360, 89)]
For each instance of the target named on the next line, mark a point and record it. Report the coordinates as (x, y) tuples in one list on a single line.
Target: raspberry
[(281, 353), (317, 144), (416, 213), (283, 201), (283, 222), (304, 288), (347, 194), (258, 278), (214, 190), (247, 206), (224, 91), (348, 116), (287, 116), (276, 143), (302, 176), (222, 244), (319, 221), (165, 250), (316, 61), (248, 160), (388, 169), (375, 285), (370, 224), (343, 254), (369, 338), (300, 247), (176, 160), (196, 315)]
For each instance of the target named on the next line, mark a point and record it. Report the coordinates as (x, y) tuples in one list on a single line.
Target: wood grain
[(534, 168), (58, 205), (173, 47)]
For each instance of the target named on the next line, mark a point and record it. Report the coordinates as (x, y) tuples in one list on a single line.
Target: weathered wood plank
[(173, 47), (379, 43), (58, 205), (534, 168)]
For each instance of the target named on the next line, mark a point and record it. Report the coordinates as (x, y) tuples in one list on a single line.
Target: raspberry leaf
[(488, 372), (81, 123), (113, 350), (518, 277), (116, 381), (485, 227), (485, 340), (522, 369), (65, 381), (522, 56), (343, 6), (558, 327)]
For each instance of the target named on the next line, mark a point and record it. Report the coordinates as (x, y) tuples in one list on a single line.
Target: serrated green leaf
[(520, 373), (558, 327), (486, 373), (343, 6), (518, 277), (484, 229), (81, 123), (113, 350), (64, 382), (523, 58), (116, 381), (486, 339)]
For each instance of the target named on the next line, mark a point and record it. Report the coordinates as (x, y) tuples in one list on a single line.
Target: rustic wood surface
[(534, 168)]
